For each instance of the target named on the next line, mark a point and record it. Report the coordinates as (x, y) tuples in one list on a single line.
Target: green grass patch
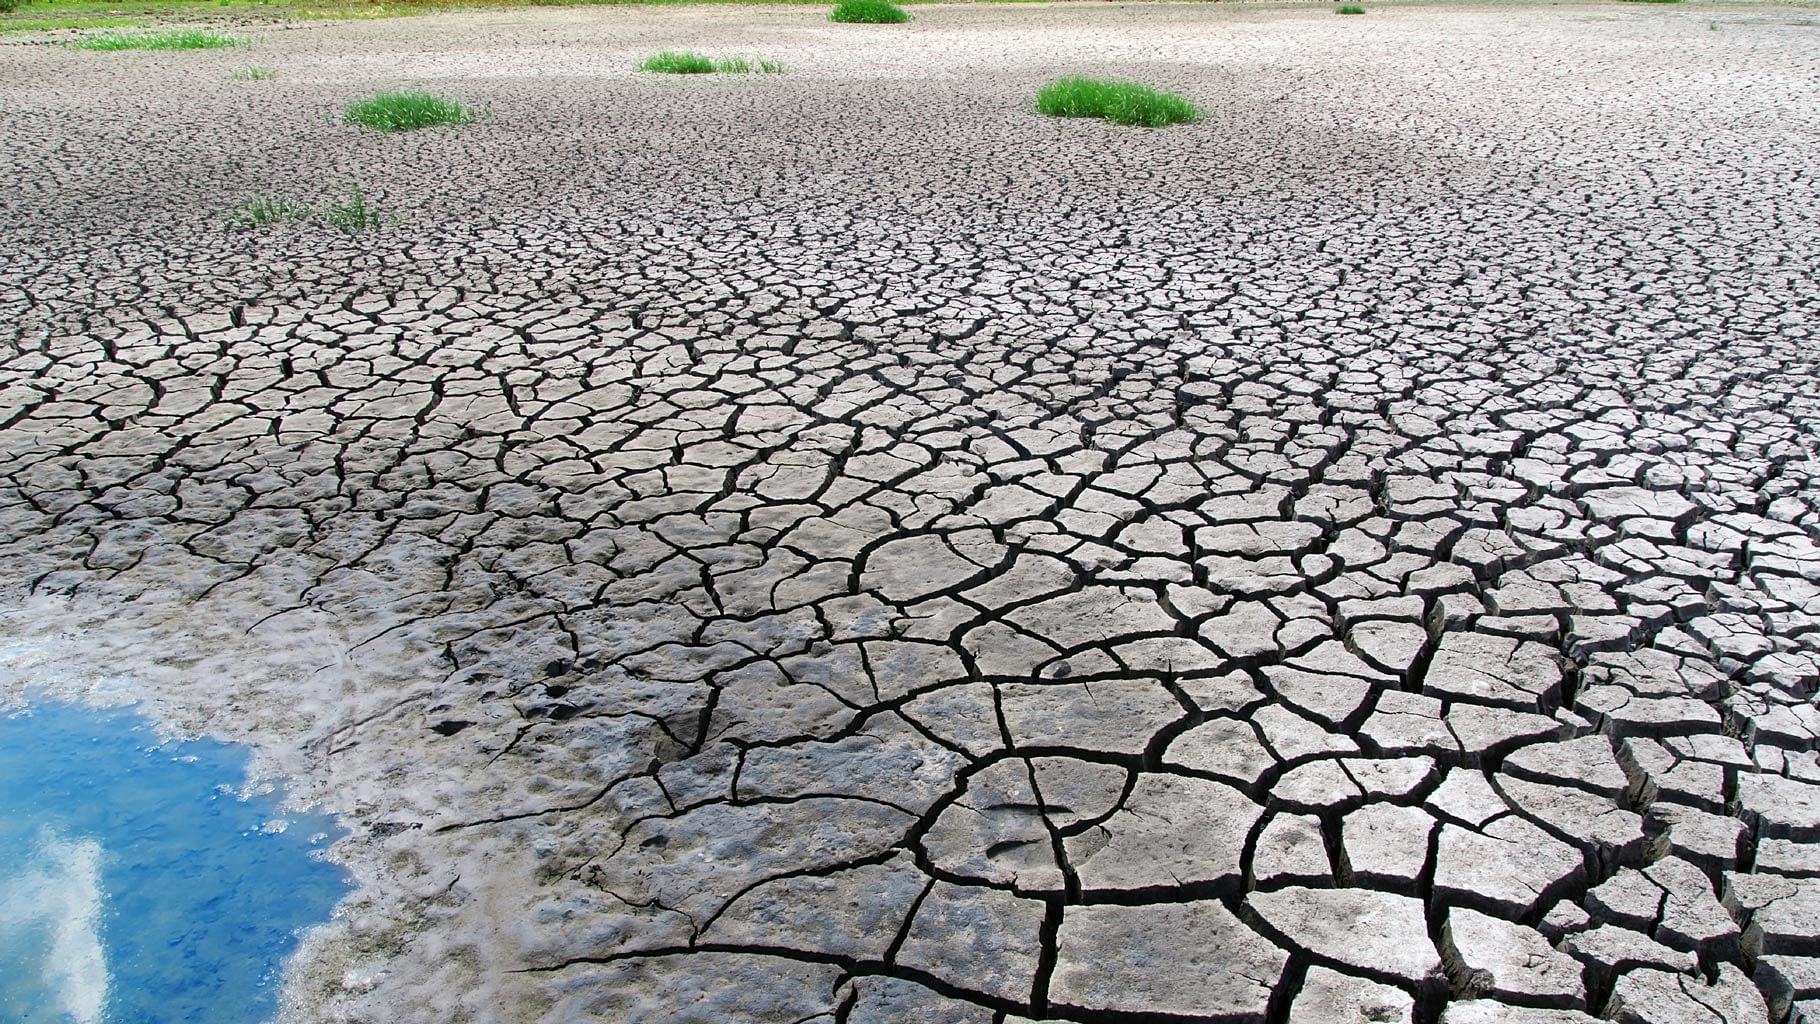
[(868, 12), (252, 75), (1349, 9), (1118, 102), (174, 39), (673, 63), (405, 111)]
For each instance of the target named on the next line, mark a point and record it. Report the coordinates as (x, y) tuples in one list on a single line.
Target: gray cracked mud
[(838, 547)]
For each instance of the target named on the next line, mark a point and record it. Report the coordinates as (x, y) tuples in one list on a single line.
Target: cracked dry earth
[(840, 547)]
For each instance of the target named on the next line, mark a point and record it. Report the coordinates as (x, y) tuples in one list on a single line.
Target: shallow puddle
[(139, 881)]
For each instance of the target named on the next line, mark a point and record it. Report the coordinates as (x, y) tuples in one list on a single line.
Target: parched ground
[(840, 547)]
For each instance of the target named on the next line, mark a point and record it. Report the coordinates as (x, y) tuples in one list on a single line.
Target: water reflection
[(138, 882)]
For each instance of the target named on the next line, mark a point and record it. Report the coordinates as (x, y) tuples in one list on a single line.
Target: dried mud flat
[(840, 547)]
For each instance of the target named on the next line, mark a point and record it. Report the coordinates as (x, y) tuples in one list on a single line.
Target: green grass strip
[(176, 39), (674, 63), (1118, 102)]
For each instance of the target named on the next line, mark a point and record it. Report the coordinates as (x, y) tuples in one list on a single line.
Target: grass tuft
[(673, 63), (1349, 9), (405, 111), (748, 66), (351, 214), (868, 12), (176, 39), (263, 211), (252, 75), (1118, 102)]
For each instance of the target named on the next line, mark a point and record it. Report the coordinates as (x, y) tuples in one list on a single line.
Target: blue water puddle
[(139, 884)]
